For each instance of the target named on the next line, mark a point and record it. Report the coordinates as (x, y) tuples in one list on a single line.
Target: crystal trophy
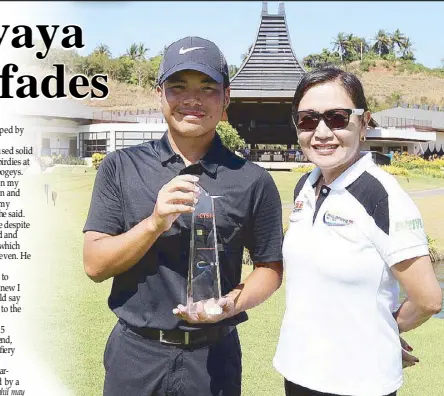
[(203, 272)]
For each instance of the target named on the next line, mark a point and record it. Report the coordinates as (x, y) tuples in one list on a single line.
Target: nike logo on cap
[(185, 50)]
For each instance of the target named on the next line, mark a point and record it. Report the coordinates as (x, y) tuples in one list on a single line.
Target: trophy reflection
[(203, 272)]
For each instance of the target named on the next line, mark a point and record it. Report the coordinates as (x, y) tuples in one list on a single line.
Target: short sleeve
[(106, 212), (265, 234), (399, 230)]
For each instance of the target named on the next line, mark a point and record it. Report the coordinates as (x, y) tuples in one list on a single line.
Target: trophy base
[(209, 306)]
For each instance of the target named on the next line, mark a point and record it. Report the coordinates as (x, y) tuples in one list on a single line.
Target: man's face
[(192, 103)]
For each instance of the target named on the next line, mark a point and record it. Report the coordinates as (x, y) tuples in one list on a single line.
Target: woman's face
[(329, 149)]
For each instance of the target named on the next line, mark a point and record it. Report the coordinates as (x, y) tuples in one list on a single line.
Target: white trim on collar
[(349, 175)]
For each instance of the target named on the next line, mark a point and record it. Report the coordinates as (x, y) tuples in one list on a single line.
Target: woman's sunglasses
[(308, 120)]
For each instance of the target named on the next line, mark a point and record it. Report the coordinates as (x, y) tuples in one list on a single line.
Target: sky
[(233, 25)]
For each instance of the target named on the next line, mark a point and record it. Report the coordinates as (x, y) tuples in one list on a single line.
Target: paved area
[(426, 193)]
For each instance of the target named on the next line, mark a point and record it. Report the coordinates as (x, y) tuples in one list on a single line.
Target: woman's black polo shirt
[(248, 213)]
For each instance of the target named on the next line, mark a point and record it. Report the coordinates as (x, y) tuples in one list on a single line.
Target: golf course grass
[(71, 320)]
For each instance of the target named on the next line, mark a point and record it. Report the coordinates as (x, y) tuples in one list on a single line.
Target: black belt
[(178, 337)]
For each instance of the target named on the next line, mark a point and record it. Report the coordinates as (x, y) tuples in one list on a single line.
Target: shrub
[(395, 170), (229, 136), (410, 162), (67, 160), (97, 159), (45, 162), (303, 169)]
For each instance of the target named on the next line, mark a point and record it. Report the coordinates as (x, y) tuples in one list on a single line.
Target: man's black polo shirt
[(248, 213)]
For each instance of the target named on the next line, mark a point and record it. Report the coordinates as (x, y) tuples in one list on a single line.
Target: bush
[(67, 160), (45, 162), (97, 159), (410, 162), (303, 169), (229, 136), (395, 170)]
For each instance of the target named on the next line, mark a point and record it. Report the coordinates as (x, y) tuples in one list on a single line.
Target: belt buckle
[(164, 341)]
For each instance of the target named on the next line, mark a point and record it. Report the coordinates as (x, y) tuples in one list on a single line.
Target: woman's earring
[(362, 139)]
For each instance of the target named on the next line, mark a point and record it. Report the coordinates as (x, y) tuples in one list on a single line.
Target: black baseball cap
[(194, 53)]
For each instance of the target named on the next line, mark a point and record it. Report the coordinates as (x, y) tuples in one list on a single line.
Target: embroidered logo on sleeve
[(409, 225), (335, 220), (298, 206)]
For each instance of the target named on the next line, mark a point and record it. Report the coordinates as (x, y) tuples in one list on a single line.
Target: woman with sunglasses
[(354, 236)]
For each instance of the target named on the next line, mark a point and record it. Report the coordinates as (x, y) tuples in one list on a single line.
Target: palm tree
[(102, 49), (137, 51), (382, 42), (132, 51), (407, 50), (398, 39), (341, 42), (141, 51)]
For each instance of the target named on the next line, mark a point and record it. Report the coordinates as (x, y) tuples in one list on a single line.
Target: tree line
[(346, 48), (132, 67)]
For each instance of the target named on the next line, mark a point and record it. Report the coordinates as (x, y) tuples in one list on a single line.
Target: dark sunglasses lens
[(336, 119), (307, 121)]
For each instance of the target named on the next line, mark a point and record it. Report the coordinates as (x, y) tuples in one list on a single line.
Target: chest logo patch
[(298, 206), (333, 220)]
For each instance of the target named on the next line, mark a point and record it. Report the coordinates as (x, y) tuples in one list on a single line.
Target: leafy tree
[(142, 71), (245, 55), (102, 49), (229, 136), (155, 64), (126, 69), (356, 48), (325, 58), (232, 70)]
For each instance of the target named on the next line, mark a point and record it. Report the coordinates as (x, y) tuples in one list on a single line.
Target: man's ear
[(159, 94), (226, 97)]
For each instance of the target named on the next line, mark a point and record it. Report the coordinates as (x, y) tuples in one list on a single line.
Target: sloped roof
[(431, 118), (271, 65)]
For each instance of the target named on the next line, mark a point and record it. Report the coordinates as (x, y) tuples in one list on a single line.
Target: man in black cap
[(138, 232)]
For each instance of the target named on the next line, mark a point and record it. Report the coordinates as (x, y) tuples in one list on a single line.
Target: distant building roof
[(401, 116), (271, 68), (61, 108)]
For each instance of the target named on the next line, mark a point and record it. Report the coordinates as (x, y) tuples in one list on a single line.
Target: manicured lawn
[(71, 321)]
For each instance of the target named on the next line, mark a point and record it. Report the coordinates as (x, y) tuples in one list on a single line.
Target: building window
[(395, 149), (132, 138), (93, 142), (376, 148)]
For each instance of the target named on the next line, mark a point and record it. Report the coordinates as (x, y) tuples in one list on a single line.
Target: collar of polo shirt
[(210, 161), (348, 176)]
